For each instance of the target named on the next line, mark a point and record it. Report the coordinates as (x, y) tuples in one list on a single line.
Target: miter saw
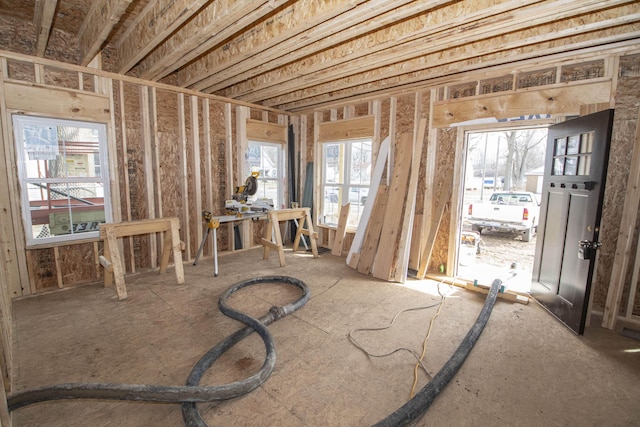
[(249, 188), (239, 204)]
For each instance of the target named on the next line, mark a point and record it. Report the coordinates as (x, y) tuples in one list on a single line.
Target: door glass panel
[(558, 166), (573, 145), (561, 144), (571, 165), (571, 156), (586, 143), (584, 165)]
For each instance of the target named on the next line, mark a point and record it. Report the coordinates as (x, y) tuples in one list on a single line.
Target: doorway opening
[(500, 206)]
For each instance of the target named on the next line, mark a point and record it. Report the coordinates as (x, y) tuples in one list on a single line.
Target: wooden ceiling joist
[(321, 43), (160, 21), (300, 54), (43, 18), (513, 48), (489, 35), (98, 24), (359, 87), (217, 22), (291, 21)]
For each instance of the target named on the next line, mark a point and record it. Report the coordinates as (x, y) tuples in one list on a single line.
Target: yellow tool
[(212, 224), (249, 188)]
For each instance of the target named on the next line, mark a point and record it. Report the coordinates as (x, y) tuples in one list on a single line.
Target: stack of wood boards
[(382, 241)]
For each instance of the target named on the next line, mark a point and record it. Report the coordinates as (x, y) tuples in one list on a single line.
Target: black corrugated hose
[(416, 407), (191, 393)]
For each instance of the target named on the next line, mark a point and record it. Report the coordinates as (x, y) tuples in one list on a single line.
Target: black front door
[(575, 170)]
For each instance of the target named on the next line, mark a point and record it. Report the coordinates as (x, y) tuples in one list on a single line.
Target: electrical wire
[(419, 358), (416, 407), (443, 297), (368, 353)]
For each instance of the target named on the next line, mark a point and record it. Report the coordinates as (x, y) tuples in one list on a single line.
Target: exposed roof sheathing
[(299, 54)]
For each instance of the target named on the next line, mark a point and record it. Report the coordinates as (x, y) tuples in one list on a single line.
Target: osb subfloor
[(526, 369)]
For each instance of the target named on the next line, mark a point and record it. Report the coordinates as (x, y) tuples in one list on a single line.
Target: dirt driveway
[(501, 249), (498, 251)]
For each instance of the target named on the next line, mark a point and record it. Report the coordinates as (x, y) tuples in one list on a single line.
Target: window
[(62, 167), (346, 171), (267, 158)]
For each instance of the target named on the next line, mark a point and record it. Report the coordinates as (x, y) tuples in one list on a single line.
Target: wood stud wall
[(168, 151), (600, 83), (176, 144)]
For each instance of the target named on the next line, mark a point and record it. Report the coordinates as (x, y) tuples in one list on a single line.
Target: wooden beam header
[(558, 100), (264, 131), (339, 130)]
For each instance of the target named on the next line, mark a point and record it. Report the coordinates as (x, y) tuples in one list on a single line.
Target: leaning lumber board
[(506, 295), (381, 161), (372, 235), (394, 211), (401, 263), (341, 231)]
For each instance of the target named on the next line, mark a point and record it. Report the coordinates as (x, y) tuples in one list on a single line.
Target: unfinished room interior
[(319, 213)]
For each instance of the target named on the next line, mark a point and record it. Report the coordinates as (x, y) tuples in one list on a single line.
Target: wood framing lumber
[(97, 25), (507, 295), (43, 18), (402, 261), (395, 210), (272, 231), (341, 231), (376, 177), (112, 260), (373, 229)]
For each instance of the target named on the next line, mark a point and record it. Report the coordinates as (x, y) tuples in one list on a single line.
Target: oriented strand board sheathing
[(405, 115), (445, 161), (624, 127), (61, 78), (42, 268), (77, 264), (135, 169), (582, 71), (22, 71), (496, 84), (167, 141)]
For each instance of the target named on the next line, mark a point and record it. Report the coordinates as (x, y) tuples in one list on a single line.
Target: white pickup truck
[(506, 211)]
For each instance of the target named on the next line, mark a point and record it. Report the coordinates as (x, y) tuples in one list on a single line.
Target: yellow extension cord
[(424, 344)]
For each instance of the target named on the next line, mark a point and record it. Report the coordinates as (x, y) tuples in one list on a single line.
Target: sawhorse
[(113, 261), (302, 215)]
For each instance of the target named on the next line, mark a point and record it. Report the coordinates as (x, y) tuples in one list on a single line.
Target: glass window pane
[(64, 208), (331, 204), (360, 163), (333, 165), (265, 158), (584, 165), (571, 165), (586, 142), (346, 178), (62, 174), (573, 144), (561, 145), (558, 166)]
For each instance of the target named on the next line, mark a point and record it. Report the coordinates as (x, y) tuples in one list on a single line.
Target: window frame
[(346, 184), (281, 172), (19, 121)]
